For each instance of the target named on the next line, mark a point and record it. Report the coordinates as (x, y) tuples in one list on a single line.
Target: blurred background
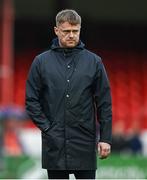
[(115, 30)]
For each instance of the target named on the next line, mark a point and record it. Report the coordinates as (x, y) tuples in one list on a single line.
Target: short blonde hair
[(68, 15)]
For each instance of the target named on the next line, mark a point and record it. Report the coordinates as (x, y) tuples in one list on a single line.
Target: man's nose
[(71, 34)]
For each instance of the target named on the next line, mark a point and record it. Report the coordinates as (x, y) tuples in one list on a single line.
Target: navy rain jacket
[(67, 90)]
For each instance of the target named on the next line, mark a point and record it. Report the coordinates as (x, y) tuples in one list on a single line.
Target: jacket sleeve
[(102, 97), (33, 92)]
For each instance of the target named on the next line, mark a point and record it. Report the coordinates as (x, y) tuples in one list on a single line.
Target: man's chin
[(71, 45)]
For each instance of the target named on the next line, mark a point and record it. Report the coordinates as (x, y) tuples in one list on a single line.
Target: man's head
[(68, 25)]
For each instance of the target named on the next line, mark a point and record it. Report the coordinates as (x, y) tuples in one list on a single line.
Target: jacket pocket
[(47, 132), (86, 130)]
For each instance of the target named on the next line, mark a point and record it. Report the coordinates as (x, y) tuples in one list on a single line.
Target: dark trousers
[(64, 174)]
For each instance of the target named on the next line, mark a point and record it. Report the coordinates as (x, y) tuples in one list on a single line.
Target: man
[(67, 90)]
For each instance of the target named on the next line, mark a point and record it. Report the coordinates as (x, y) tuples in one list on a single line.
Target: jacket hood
[(55, 46)]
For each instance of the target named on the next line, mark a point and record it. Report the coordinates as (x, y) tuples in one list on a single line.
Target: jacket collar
[(55, 46)]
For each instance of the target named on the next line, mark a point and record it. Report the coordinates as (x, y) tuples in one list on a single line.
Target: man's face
[(68, 34)]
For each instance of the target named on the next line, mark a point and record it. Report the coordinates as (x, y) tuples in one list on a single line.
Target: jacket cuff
[(46, 129)]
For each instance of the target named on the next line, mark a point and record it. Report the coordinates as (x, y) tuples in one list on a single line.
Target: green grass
[(12, 166), (114, 167), (124, 166)]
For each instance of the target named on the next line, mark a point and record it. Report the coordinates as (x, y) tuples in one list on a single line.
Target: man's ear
[(56, 30)]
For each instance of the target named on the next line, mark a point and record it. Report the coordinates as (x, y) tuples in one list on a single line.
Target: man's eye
[(66, 31), (75, 31)]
